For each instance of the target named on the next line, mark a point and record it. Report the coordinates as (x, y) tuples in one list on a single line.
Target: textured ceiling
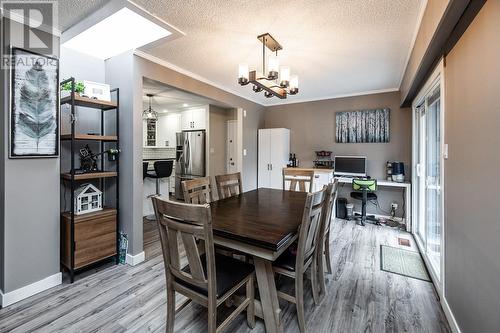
[(337, 48)]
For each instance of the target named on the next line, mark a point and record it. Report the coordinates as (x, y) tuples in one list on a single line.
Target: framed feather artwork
[(34, 105)]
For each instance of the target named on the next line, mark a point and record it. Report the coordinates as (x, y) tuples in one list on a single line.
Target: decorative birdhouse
[(88, 199)]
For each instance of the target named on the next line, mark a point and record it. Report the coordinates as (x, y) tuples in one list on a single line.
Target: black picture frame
[(21, 145)]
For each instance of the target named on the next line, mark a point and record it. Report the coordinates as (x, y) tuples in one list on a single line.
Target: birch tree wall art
[(363, 126), (34, 114)]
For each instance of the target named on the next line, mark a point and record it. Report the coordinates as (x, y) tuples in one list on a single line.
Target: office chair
[(364, 191)]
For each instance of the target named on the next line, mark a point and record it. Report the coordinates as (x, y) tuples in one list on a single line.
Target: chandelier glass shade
[(273, 80), (149, 113)]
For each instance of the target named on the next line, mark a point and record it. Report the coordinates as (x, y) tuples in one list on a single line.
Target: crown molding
[(305, 100)]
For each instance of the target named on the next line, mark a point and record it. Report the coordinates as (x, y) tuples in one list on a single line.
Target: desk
[(262, 223), (406, 186)]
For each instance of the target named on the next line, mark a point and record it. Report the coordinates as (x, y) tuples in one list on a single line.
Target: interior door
[(232, 148), (264, 158)]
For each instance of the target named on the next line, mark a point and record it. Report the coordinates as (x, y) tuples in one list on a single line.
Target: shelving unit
[(88, 239)]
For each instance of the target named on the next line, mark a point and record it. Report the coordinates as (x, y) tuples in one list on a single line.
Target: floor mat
[(402, 262)]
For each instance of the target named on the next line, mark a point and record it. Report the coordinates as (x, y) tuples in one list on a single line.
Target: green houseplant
[(79, 87)]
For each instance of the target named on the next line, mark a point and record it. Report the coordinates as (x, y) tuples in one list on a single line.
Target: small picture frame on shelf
[(96, 90)]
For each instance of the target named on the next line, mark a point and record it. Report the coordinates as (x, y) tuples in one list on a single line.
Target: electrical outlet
[(394, 205)]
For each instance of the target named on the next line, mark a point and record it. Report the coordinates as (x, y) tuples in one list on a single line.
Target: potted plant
[(79, 88)]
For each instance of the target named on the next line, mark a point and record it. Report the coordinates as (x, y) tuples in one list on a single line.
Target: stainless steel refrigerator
[(190, 158)]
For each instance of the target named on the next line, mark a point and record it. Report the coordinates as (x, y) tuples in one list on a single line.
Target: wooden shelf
[(90, 102), (90, 137), (106, 211), (90, 175)]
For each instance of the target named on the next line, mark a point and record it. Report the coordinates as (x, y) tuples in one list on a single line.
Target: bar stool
[(145, 166), (163, 169)]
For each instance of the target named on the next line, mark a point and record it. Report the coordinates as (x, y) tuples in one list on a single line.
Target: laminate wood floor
[(360, 297)]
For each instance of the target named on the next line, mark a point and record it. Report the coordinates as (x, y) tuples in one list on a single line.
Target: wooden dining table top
[(265, 218)]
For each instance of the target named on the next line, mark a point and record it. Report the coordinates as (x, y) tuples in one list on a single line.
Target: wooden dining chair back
[(197, 191), (300, 180), (323, 252), (228, 185), (295, 265), (310, 229), (180, 226)]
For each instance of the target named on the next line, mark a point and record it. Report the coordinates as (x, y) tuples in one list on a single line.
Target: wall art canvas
[(34, 105), (364, 126)]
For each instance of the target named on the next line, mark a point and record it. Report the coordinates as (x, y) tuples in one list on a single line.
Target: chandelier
[(271, 82), (149, 113)]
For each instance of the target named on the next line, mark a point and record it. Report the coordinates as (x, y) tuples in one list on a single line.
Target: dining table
[(261, 223)]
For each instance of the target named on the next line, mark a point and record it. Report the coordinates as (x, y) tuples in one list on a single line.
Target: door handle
[(271, 167)]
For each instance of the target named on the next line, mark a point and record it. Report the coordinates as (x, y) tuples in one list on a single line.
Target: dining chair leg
[(314, 281), (212, 317), (170, 310), (299, 298), (251, 305), (327, 253)]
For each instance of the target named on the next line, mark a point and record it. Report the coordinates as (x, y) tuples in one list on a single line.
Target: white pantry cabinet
[(274, 152), (194, 119)]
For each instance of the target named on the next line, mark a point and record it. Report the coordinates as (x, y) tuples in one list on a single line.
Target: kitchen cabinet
[(274, 151), (194, 119), (149, 132), (168, 125)]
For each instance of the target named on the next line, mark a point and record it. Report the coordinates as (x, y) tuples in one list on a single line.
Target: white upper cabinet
[(194, 119)]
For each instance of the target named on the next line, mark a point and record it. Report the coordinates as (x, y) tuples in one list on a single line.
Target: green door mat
[(402, 262)]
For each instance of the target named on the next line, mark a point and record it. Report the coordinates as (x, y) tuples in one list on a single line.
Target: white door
[(428, 180), (280, 149), (264, 161), (231, 147)]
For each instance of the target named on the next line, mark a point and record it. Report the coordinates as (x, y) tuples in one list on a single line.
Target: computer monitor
[(350, 166)]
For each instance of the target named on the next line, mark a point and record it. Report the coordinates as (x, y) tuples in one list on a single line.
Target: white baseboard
[(449, 315), (30, 290), (135, 260)]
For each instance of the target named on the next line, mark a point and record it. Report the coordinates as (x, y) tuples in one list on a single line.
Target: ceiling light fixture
[(185, 105), (117, 27), (275, 81), (149, 113)]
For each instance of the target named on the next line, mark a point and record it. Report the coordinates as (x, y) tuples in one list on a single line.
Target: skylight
[(122, 31)]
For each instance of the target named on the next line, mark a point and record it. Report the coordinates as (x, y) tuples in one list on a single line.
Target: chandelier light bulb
[(273, 67), (243, 74), (284, 76), (294, 84)]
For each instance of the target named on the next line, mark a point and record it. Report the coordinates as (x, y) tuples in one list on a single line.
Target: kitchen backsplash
[(156, 153)]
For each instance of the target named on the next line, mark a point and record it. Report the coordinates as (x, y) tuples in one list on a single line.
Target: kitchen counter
[(316, 170)]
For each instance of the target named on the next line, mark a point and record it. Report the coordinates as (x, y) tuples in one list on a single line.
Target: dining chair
[(198, 190), (294, 264), (228, 185), (298, 178), (324, 239), (208, 279)]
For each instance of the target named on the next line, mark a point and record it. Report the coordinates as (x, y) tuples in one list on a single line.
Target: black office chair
[(364, 189)]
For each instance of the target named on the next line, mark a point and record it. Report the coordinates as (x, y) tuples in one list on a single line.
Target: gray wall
[(30, 211), (312, 128), (472, 210), (120, 73)]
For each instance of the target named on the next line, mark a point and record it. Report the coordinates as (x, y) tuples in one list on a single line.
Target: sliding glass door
[(428, 178)]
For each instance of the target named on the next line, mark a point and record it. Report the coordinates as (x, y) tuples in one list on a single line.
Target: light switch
[(244, 113), (212, 150), (445, 153), (244, 152)]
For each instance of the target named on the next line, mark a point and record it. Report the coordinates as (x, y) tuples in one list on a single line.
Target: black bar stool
[(163, 169), (145, 166)]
